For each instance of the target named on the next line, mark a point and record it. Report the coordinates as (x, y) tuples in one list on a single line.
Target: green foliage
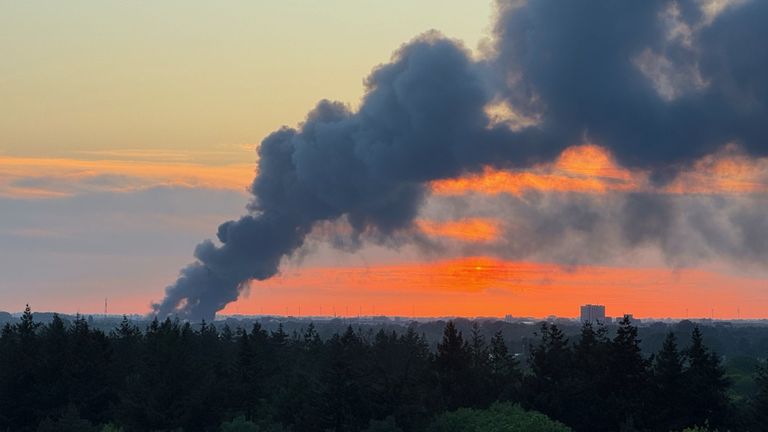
[(70, 421), (740, 371), (504, 417), (386, 425), (239, 424)]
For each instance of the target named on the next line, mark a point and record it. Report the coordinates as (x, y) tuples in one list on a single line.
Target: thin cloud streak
[(35, 178)]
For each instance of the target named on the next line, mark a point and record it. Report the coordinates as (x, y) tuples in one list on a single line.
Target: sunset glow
[(469, 230), (591, 169), (137, 138), (484, 286)]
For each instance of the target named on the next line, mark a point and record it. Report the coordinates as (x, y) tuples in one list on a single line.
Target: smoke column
[(659, 83)]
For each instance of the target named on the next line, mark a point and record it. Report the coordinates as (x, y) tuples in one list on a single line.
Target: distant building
[(593, 313)]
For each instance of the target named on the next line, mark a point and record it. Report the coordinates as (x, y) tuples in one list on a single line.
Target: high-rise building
[(593, 313)]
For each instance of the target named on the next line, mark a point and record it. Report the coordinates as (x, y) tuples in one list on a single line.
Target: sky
[(129, 131)]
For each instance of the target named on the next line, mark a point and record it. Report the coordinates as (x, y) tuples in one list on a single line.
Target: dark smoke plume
[(659, 83)]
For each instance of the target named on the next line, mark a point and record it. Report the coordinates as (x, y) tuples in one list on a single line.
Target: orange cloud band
[(591, 169), (49, 177), (584, 169), (479, 230)]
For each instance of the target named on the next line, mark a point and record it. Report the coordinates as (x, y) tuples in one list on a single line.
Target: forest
[(174, 376)]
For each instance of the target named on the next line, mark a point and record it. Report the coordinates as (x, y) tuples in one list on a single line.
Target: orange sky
[(468, 286), (181, 103), (482, 286)]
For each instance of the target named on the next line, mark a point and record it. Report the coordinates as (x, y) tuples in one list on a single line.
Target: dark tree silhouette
[(453, 363), (670, 390), (503, 371), (174, 376), (706, 384), (628, 371), (551, 362), (759, 405)]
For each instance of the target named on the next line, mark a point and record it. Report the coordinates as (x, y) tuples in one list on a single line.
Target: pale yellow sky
[(94, 79)]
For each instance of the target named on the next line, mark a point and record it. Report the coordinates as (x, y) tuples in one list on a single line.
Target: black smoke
[(580, 65), (618, 74)]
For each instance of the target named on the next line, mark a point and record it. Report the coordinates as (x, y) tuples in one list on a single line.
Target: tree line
[(171, 376)]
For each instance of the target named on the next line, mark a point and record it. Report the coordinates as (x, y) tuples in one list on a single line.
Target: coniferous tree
[(299, 404), (453, 363), (53, 384), (177, 375), (706, 383), (551, 362), (347, 404), (478, 348), (127, 343), (160, 396), (90, 388), (628, 373), (758, 406), (587, 392), (19, 381), (27, 327), (409, 379), (481, 391), (503, 370), (670, 389)]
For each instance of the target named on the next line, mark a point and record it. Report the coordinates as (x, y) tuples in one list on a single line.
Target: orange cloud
[(725, 172), (479, 230), (592, 169), (481, 286), (50, 177), (585, 168)]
